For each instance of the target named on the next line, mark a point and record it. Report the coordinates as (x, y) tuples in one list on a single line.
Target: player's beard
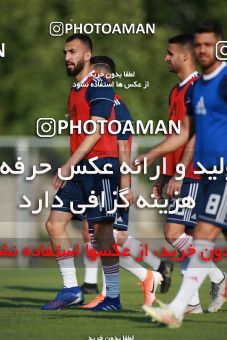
[(173, 68), (210, 62), (77, 68)]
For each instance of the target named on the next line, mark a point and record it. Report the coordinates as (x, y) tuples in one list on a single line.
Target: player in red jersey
[(179, 226), (90, 99)]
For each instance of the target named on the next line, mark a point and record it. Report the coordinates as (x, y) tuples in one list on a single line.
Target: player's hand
[(157, 189), (130, 197), (65, 172), (139, 161), (173, 186), (57, 183)]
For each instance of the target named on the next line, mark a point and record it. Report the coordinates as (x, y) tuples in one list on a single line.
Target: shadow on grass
[(32, 289), (21, 302), (102, 315), (143, 320)]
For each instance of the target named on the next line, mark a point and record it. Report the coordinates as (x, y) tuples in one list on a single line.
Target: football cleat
[(65, 298), (217, 295), (89, 288), (108, 305), (94, 302), (149, 286), (162, 315), (196, 309), (165, 268)]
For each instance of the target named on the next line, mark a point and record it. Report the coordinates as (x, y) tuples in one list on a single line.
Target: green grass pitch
[(23, 291)]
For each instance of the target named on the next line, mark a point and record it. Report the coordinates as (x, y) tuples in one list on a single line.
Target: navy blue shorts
[(78, 190), (213, 206), (186, 216), (121, 220)]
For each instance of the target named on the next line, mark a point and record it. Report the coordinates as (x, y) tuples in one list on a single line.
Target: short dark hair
[(185, 40), (209, 26), (83, 37), (104, 61)]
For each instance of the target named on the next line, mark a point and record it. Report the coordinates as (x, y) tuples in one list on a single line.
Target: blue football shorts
[(185, 216), (78, 190), (213, 206), (121, 220)]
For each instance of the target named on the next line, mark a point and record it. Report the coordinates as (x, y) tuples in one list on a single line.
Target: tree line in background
[(33, 78)]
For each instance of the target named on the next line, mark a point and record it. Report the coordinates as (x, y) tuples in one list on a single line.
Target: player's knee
[(103, 234), (167, 235), (170, 235), (51, 227), (97, 237), (121, 238), (206, 231), (103, 230), (173, 232)]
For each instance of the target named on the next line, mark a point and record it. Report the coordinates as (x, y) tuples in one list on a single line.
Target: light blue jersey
[(207, 103)]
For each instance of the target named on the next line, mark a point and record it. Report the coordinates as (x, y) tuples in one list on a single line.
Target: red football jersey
[(177, 111), (79, 110)]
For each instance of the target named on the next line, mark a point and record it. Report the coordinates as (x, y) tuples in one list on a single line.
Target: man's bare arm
[(125, 156), (87, 145), (173, 184), (187, 156), (171, 143)]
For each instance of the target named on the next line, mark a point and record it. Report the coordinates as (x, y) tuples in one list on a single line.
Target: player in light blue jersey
[(207, 117)]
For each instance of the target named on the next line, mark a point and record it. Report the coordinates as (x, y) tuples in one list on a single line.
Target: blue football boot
[(65, 298), (108, 305)]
